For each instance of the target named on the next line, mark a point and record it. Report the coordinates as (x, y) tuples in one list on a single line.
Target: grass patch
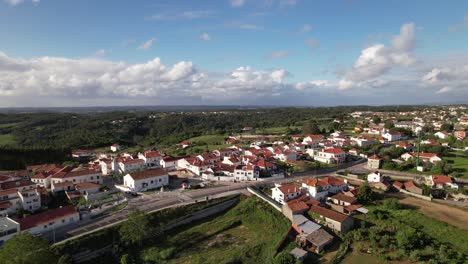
[(248, 233), (209, 139), (7, 139), (8, 125), (459, 163)]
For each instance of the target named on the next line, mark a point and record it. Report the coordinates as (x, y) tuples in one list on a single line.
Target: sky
[(232, 52)]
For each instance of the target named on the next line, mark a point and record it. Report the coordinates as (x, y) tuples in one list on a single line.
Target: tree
[(391, 204), (365, 194), (136, 229), (389, 125), (376, 119), (441, 167), (447, 127), (26, 249), (310, 127), (284, 258), (65, 259), (126, 259)]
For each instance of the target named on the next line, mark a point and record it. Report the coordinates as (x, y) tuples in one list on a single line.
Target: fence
[(265, 198)]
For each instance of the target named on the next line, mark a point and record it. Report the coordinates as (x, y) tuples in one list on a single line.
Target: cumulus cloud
[(378, 59), (205, 36), (445, 89), (301, 86), (18, 2), (237, 3), (278, 54), (147, 44), (86, 78)]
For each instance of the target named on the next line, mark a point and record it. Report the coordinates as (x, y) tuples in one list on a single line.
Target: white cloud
[(184, 15), (312, 43), (18, 2), (91, 78), (378, 59), (205, 36), (306, 28), (301, 86), (147, 44), (278, 54), (237, 3), (445, 89)]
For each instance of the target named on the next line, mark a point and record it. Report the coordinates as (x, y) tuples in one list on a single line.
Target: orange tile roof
[(46, 217), (339, 217)]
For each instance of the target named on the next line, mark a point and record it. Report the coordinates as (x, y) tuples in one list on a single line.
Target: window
[(151, 182), (63, 220), (159, 179), (97, 177), (92, 178)]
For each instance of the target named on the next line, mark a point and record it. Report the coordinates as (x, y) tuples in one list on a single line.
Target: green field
[(7, 139), (7, 125), (459, 163), (209, 139), (275, 130), (248, 233)]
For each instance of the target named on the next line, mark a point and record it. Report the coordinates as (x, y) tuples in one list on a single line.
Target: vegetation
[(136, 229), (393, 233), (25, 249)]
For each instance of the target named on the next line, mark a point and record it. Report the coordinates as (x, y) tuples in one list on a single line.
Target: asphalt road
[(158, 201)]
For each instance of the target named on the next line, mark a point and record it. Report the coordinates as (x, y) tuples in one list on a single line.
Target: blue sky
[(287, 49)]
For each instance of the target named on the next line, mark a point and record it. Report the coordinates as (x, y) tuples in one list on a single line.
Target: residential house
[(460, 135), (353, 152), (336, 221), (8, 228), (284, 193), (442, 181), (77, 176), (424, 156), (392, 136), (373, 162), (127, 165), (49, 220), (374, 177), (246, 172), (442, 135), (331, 155), (115, 148), (146, 180), (405, 145), (411, 187), (151, 158)]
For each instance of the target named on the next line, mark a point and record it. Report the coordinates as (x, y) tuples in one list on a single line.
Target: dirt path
[(451, 215)]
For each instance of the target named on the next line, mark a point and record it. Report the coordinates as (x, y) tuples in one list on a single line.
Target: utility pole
[(418, 146)]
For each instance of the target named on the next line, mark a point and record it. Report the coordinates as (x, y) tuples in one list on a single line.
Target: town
[(325, 179)]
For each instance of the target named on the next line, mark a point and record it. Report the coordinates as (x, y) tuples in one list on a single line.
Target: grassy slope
[(7, 139), (209, 139), (248, 233), (459, 163)]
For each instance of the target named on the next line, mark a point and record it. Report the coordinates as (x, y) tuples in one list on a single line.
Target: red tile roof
[(87, 185), (46, 217), (297, 206), (314, 182), (441, 179), (374, 157), (339, 217), (344, 198), (334, 181), (398, 184), (148, 174), (289, 188), (335, 151)]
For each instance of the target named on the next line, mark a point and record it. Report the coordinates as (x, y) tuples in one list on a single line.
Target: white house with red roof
[(115, 148), (442, 181), (312, 140), (152, 158), (246, 172), (442, 135), (128, 164), (315, 188), (284, 193), (78, 175), (362, 141), (195, 165), (405, 145), (49, 220), (374, 177), (209, 157), (460, 135), (331, 155), (231, 160), (392, 136), (146, 180), (424, 156)]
